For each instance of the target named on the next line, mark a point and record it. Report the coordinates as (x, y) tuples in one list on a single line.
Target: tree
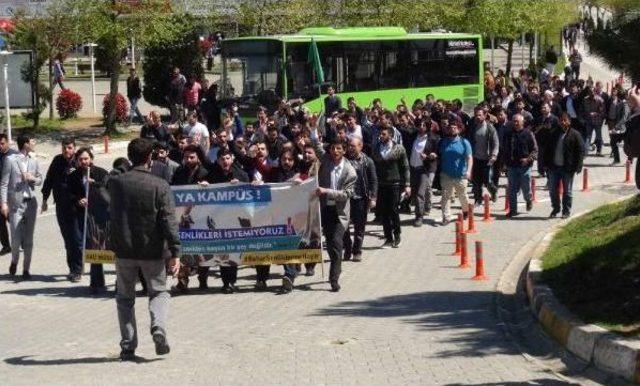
[(183, 51), (618, 42), (279, 16), (111, 24), (47, 35)]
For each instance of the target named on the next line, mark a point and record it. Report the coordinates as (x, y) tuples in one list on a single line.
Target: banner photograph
[(244, 224)]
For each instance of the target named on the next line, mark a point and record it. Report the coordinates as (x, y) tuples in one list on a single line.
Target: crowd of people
[(383, 159)]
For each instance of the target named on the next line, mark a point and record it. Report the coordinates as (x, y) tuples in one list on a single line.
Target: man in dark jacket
[(6, 151), (562, 158), (225, 171), (57, 181), (363, 198), (520, 150), (134, 93), (191, 172), (392, 169), (143, 223)]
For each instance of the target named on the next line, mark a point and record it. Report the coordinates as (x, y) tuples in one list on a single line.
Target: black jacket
[(57, 181), (367, 182), (217, 175), (392, 169), (572, 150), (183, 176), (98, 196), (518, 145), (134, 90), (143, 218), (158, 133)]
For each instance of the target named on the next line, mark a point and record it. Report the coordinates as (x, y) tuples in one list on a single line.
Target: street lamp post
[(93, 76), (5, 81)]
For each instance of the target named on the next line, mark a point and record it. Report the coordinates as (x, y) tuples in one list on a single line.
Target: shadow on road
[(468, 318), (26, 361), (534, 382)]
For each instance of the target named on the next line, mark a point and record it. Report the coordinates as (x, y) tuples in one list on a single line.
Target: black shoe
[(180, 288), (417, 222), (465, 215), (127, 355), (261, 285), (396, 242), (387, 244), (494, 196), (566, 215), (512, 214), (26, 275), (203, 285), (5, 250), (226, 289), (310, 272), (554, 214), (357, 257), (346, 257), (529, 205), (287, 285), (335, 287), (13, 268), (160, 340)]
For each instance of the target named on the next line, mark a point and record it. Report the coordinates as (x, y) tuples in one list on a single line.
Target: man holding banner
[(144, 226)]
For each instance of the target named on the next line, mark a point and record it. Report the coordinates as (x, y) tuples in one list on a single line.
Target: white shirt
[(335, 177), (385, 148), (356, 133), (571, 111), (199, 129), (418, 147)]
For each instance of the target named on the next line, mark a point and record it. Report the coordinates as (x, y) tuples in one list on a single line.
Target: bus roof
[(321, 34)]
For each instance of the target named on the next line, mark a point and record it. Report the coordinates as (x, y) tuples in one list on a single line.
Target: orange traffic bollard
[(585, 180), (461, 221), (472, 222), (458, 243), (487, 209), (627, 172), (479, 263), (106, 144), (464, 258), (506, 199), (533, 190)]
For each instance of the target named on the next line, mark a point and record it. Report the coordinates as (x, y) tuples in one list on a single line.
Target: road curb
[(593, 344)]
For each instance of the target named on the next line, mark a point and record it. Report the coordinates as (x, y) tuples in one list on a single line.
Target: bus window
[(393, 59), (252, 68), (301, 82), (361, 63), (441, 62)]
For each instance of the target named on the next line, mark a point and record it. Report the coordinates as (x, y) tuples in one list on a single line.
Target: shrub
[(122, 108), (68, 104)]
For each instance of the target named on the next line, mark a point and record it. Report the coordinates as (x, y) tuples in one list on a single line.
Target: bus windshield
[(251, 68)]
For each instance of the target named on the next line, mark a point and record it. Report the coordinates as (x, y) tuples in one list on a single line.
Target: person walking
[(20, 175), (87, 191), (632, 133), (5, 151), (175, 98), (364, 198), (485, 143), (593, 115), (392, 168), (520, 150), (616, 117), (563, 157), (423, 163), (337, 180), (134, 93), (58, 72), (575, 59), (57, 181), (143, 228), (456, 165)]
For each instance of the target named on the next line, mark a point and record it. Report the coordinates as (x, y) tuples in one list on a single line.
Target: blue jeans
[(555, 176), (519, 178), (71, 230), (590, 128), (135, 110)]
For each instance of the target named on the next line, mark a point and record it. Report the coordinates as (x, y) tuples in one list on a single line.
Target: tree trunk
[(509, 57), (110, 119), (51, 87), (37, 108)]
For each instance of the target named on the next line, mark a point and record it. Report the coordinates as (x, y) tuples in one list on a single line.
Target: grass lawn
[(593, 266)]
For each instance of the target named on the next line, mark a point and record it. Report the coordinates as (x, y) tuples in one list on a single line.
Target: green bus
[(364, 63)]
